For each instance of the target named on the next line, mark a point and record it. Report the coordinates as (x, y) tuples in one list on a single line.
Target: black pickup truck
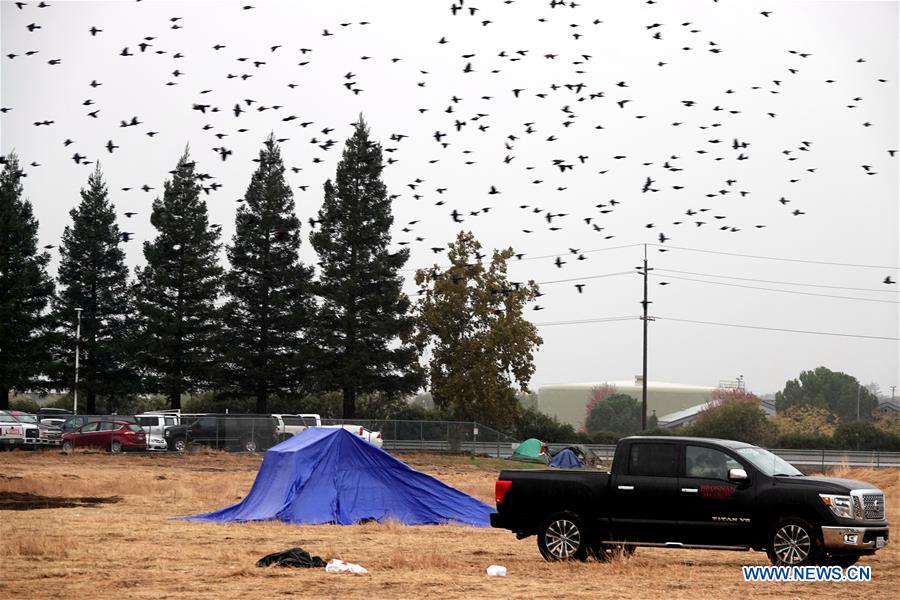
[(684, 492)]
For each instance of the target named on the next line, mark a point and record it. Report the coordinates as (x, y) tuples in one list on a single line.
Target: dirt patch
[(22, 501)]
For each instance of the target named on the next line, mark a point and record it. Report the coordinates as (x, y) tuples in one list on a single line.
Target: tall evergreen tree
[(364, 327), (25, 288), (93, 276), (176, 292), (270, 301)]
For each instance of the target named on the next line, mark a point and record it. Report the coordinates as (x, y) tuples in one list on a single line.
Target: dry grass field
[(92, 525)]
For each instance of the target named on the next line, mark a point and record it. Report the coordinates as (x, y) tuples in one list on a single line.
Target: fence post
[(823, 460), (420, 431)]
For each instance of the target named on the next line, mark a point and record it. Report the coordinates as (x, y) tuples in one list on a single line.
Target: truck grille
[(873, 506), (31, 433)]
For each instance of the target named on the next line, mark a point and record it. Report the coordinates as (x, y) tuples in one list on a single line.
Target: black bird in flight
[(888, 280)]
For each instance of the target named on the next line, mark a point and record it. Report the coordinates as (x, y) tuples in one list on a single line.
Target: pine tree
[(270, 302), (364, 327), (93, 277), (25, 288), (177, 291)]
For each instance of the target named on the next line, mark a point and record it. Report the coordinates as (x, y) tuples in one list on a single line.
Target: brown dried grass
[(134, 545)]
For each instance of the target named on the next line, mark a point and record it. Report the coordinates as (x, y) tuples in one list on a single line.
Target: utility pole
[(858, 388), (893, 387), (77, 357), (645, 303)]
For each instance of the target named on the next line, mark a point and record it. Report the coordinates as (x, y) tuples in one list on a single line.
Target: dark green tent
[(531, 450)]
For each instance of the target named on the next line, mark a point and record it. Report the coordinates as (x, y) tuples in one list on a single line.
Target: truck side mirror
[(737, 476)]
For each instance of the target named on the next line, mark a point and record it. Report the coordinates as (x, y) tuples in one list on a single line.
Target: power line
[(524, 257), (753, 287), (569, 280), (834, 287), (584, 321), (797, 260), (852, 335), (587, 277)]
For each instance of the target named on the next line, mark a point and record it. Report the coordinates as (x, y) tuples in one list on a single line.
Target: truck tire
[(563, 537), (249, 445), (793, 542), (115, 447), (179, 444)]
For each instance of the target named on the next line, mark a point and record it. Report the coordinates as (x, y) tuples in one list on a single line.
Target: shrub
[(736, 419), (619, 413), (862, 435)]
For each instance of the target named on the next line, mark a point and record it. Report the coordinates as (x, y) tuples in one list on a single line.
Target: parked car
[(18, 429), (291, 425), (75, 421), (248, 433), (680, 492), (373, 437), (51, 431), (46, 412), (115, 436), (154, 425)]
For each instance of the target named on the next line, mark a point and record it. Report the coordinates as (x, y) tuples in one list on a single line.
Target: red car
[(114, 436)]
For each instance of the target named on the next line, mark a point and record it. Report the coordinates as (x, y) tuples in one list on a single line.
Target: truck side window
[(170, 421), (708, 463), (653, 460)]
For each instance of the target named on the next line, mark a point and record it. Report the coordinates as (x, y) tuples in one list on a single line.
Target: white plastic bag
[(496, 571), (342, 566)]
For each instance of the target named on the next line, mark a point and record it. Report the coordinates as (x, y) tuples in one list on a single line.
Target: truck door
[(714, 511), (645, 493)]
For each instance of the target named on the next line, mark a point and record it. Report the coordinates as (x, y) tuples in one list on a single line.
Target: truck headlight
[(841, 506)]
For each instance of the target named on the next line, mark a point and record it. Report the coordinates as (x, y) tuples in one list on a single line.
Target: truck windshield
[(767, 462)]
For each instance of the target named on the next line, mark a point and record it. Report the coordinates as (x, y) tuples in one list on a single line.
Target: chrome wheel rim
[(562, 539), (115, 448), (179, 445), (250, 446), (792, 544)]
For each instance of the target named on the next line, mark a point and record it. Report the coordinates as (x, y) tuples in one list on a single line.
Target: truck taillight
[(500, 488)]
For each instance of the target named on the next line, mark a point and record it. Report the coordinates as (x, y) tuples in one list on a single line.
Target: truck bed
[(535, 493)]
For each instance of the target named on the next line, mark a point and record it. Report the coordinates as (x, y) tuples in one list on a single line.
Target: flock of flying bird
[(570, 97)]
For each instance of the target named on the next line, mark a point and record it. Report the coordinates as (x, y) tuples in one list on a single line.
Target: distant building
[(568, 402), (888, 408), (690, 414)]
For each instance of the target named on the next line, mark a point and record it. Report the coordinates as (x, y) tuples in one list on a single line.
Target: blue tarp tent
[(566, 459), (332, 476)]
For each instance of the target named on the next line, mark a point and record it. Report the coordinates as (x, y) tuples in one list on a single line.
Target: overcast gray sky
[(725, 68)]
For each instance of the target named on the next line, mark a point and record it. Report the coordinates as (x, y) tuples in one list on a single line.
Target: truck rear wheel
[(563, 537), (793, 542)]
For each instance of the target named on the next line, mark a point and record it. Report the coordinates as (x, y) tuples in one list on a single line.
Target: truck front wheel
[(563, 537), (793, 542)]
